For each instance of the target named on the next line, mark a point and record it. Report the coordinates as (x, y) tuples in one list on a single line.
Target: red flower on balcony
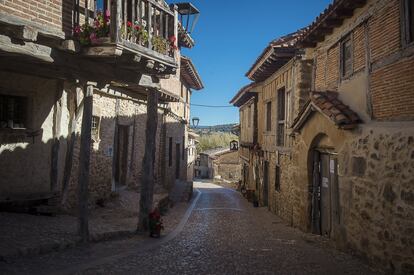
[(77, 30), (129, 24), (172, 39)]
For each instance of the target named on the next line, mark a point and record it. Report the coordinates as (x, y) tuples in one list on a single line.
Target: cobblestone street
[(223, 234)]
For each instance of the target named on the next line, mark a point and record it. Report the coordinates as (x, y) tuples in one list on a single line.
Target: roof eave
[(332, 17)]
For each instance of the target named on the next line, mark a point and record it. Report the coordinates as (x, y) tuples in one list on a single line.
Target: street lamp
[(189, 12), (234, 145), (195, 120)]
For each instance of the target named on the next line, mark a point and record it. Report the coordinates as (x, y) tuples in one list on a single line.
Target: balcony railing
[(145, 27)]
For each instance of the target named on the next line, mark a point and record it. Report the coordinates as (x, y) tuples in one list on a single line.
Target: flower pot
[(101, 40), (155, 233)]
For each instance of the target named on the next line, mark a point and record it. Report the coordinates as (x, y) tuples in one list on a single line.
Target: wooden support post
[(84, 161), (57, 116), (73, 113), (148, 166)]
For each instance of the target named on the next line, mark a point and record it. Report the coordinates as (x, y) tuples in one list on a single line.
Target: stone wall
[(177, 131), (25, 154), (377, 174), (375, 183)]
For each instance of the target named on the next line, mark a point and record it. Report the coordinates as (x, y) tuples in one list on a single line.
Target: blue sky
[(230, 35)]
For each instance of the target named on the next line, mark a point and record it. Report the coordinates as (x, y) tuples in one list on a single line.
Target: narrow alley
[(220, 233)]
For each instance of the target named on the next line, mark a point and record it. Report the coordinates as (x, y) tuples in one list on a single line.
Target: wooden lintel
[(7, 19), (20, 32)]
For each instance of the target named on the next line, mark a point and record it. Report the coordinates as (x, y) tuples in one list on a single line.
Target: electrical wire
[(211, 106)]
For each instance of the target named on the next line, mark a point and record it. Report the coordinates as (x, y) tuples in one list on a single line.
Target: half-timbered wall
[(380, 84)]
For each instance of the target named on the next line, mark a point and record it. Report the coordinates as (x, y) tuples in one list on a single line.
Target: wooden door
[(177, 161), (316, 195), (121, 160), (266, 184), (325, 184), (325, 194)]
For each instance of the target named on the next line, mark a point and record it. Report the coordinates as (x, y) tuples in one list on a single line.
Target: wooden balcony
[(133, 34)]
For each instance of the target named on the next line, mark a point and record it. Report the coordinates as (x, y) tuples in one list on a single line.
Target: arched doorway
[(323, 164)]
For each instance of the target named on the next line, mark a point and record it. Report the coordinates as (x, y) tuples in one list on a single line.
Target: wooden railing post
[(113, 26), (86, 12), (118, 19), (138, 12), (167, 18), (125, 18), (149, 25), (176, 26), (133, 9), (162, 24), (84, 162)]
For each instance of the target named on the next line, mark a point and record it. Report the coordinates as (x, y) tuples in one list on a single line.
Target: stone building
[(74, 111), (345, 167), (226, 166), (192, 154)]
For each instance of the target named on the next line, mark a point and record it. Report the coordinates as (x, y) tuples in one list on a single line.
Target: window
[(183, 154), (13, 111), (409, 21), (249, 116), (95, 126), (277, 178), (346, 57), (100, 5), (280, 139), (269, 116), (170, 152), (182, 90)]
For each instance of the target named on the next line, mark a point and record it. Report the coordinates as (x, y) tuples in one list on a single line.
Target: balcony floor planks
[(117, 49)]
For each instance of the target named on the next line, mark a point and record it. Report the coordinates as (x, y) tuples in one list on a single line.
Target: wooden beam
[(84, 162), (7, 19), (31, 49)]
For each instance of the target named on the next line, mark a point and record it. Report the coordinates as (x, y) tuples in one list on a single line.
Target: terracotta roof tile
[(329, 104)]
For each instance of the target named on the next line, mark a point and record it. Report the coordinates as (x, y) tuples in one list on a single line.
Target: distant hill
[(212, 137), (224, 128)]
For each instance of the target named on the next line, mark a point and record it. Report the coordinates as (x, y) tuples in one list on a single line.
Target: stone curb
[(62, 245)]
